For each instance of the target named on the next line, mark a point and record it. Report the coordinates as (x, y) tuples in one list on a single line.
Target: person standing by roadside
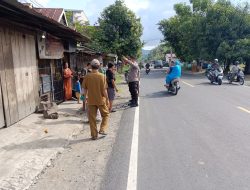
[(95, 90), (84, 72), (112, 89), (67, 83), (98, 117), (78, 88), (101, 69), (89, 68), (133, 79)]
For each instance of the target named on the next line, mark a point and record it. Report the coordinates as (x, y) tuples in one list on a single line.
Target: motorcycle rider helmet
[(236, 63), (216, 60)]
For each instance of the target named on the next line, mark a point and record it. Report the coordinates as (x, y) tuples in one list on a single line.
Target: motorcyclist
[(215, 65), (147, 68), (173, 73), (235, 69), (215, 68)]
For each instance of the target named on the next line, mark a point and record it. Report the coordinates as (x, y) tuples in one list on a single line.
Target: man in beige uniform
[(95, 90)]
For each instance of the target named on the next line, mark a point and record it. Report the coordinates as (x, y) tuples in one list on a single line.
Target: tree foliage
[(120, 30), (206, 30), (86, 29)]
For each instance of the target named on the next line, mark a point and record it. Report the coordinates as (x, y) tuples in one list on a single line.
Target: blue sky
[(150, 12)]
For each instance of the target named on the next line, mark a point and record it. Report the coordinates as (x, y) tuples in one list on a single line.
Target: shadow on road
[(215, 84), (206, 84), (47, 143), (160, 94), (209, 84), (121, 106), (232, 84), (70, 122)]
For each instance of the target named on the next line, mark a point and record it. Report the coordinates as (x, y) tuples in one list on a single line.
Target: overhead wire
[(34, 2), (38, 4)]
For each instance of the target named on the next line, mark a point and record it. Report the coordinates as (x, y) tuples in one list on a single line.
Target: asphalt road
[(197, 140)]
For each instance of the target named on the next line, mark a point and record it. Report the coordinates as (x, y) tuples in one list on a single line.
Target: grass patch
[(119, 78)]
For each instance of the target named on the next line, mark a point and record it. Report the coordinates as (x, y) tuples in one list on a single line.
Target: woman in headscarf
[(174, 72), (67, 73)]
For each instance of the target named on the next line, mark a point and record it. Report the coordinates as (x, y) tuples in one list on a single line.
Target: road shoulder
[(83, 164)]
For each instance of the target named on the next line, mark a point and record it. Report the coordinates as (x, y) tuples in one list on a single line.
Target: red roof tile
[(52, 13)]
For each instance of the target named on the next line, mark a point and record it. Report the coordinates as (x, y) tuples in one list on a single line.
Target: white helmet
[(216, 60)]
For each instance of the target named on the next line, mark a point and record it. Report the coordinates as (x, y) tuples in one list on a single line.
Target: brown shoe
[(93, 138), (103, 133)]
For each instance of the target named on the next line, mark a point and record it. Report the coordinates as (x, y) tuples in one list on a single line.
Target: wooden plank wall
[(26, 72), (30, 62), (19, 74), (19, 78), (2, 80), (7, 78), (34, 71), (2, 120)]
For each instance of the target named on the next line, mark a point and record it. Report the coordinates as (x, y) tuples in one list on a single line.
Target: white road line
[(243, 109), (132, 172), (188, 84)]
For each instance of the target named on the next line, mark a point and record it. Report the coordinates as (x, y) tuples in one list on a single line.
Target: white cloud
[(137, 5), (149, 47)]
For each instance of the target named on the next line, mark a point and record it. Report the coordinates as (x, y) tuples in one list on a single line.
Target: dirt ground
[(82, 164)]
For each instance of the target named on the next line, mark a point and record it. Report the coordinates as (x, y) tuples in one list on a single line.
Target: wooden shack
[(20, 56), (18, 73)]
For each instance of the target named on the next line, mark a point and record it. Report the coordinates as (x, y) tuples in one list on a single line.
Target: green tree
[(207, 30), (85, 29), (119, 30), (179, 31)]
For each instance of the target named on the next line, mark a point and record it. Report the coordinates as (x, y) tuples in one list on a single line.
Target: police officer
[(133, 79)]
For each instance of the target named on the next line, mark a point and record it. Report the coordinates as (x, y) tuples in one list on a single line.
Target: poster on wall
[(49, 47)]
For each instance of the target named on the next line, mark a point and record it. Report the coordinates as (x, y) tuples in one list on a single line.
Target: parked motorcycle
[(147, 70), (174, 86), (215, 75), (240, 78)]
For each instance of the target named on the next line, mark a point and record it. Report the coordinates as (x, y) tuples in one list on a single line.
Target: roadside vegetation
[(206, 29)]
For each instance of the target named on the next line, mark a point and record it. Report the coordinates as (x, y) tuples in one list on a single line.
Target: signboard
[(49, 47), (46, 83)]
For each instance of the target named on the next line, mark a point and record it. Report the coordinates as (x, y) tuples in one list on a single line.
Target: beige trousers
[(92, 118)]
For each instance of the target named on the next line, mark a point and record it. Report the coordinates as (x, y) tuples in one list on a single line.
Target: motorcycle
[(239, 77), (215, 75), (147, 70), (174, 86)]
